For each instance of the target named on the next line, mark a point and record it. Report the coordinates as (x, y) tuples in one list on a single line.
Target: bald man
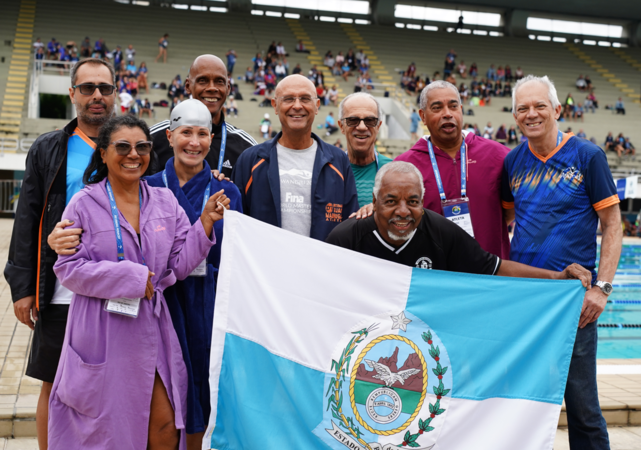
[(296, 181), (207, 82)]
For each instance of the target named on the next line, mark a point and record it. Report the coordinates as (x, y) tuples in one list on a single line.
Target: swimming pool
[(623, 342)]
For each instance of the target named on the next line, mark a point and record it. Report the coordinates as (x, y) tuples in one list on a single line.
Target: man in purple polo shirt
[(475, 203)]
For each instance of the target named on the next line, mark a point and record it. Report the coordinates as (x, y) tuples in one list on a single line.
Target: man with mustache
[(54, 168), (402, 231), (360, 118), (438, 157), (208, 83)]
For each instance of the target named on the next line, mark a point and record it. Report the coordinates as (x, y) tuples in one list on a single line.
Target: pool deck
[(619, 381)]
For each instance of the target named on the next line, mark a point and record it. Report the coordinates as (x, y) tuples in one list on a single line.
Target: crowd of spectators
[(621, 145)]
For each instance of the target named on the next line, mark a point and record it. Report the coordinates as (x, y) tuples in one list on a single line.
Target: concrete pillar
[(383, 12), (515, 22), (634, 34)]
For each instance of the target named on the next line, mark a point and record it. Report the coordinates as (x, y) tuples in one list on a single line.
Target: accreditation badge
[(125, 306), (458, 211), (201, 270)]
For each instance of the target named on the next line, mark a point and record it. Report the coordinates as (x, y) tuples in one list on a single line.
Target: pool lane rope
[(625, 302), (619, 325)]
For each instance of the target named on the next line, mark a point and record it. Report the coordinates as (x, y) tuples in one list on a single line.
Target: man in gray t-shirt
[(295, 168)]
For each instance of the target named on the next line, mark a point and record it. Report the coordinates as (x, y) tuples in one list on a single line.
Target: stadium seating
[(390, 50)]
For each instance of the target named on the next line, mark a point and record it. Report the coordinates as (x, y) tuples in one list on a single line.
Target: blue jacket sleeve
[(350, 204), (240, 177)]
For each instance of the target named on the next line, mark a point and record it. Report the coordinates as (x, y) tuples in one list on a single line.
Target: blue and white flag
[(319, 347)]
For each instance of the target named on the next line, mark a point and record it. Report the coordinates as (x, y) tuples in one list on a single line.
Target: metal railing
[(9, 193)]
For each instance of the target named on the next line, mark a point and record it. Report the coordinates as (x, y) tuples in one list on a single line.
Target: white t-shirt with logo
[(295, 170)]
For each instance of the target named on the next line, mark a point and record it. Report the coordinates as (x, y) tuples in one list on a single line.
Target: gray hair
[(95, 62), (552, 96), (438, 84), (397, 167), (341, 107)]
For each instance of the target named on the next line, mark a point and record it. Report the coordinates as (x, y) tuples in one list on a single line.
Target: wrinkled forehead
[(532, 92)]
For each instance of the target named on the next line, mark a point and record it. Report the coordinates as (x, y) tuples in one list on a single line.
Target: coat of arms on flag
[(317, 347), (390, 380)]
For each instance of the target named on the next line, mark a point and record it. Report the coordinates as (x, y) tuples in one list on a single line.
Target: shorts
[(46, 345)]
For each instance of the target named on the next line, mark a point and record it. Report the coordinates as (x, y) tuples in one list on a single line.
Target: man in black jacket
[(54, 168), (207, 82)]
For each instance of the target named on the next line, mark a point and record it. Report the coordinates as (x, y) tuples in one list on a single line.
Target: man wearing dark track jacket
[(207, 82), (296, 181), (53, 174)]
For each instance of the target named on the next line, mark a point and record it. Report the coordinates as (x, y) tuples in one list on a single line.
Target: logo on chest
[(572, 174), (424, 263)]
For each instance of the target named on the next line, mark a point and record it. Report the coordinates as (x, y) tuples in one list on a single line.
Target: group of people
[(130, 228), (348, 64), (621, 145)]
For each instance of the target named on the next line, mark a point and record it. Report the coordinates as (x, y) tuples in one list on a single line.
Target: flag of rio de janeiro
[(318, 347)]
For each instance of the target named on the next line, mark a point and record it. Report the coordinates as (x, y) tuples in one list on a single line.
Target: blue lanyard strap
[(559, 138), (207, 189), (437, 174), (376, 156), (223, 144), (116, 219)]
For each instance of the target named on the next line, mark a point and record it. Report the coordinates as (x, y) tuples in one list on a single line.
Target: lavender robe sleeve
[(97, 279), (191, 245)]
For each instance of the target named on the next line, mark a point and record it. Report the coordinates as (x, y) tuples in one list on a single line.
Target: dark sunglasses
[(370, 122), (123, 148), (90, 88)]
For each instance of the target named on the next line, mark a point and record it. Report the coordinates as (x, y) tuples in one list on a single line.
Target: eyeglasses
[(370, 122), (290, 99), (90, 88), (123, 148)]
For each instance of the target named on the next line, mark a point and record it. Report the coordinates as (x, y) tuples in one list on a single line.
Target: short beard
[(405, 237), (92, 119)]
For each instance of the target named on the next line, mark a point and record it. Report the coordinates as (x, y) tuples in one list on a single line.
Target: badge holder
[(458, 211), (125, 306), (201, 270)]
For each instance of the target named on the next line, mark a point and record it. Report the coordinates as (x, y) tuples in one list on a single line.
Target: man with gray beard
[(402, 231), (54, 168)]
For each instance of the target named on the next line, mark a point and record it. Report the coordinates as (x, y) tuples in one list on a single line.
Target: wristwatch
[(605, 287)]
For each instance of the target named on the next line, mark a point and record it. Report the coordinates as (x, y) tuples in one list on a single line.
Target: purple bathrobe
[(102, 391)]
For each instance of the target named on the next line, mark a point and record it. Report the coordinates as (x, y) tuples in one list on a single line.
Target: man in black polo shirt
[(207, 82), (402, 231)]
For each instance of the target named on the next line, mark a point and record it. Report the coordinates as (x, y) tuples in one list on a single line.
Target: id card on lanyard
[(125, 306), (223, 144), (456, 210), (201, 270)]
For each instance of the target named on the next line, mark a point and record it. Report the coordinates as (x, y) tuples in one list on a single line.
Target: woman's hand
[(63, 240), (149, 289), (214, 210)]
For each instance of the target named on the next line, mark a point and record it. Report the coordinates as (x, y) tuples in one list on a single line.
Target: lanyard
[(223, 144), (207, 189), (559, 138), (437, 174), (376, 156), (116, 219)]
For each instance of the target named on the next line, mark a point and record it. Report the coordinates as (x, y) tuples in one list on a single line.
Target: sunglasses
[(90, 88), (370, 122), (123, 148)]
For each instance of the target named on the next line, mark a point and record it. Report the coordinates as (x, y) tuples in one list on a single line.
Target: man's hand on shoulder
[(364, 212)]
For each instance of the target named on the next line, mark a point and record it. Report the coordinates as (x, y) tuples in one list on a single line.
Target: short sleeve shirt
[(436, 244), (556, 200), (365, 176)]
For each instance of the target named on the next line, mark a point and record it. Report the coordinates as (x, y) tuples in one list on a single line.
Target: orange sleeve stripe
[(507, 205), (613, 200), (251, 178), (337, 171)]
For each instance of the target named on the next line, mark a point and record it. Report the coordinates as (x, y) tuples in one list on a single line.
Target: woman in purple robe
[(122, 383)]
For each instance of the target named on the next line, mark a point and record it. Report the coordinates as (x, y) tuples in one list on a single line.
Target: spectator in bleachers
[(332, 95), (474, 70), (340, 59), (280, 71), (581, 134), (491, 73), (300, 47), (488, 131), (266, 126), (163, 43), (462, 69), (465, 93), (145, 107), (501, 135), (508, 74), (270, 79), (448, 66), (578, 112), (130, 52), (593, 99), (512, 137), (350, 59), (619, 106), (507, 90), (85, 48), (619, 145), (364, 66), (231, 107), (280, 50), (436, 76), (71, 47), (450, 79), (330, 124), (568, 107), (100, 48), (588, 82), (36, 45), (141, 75), (345, 71), (116, 56), (131, 67), (285, 65), (40, 55), (52, 49), (321, 93), (629, 148), (329, 59), (518, 74), (126, 101), (500, 74), (249, 75), (231, 60), (338, 144), (415, 119), (580, 83), (297, 70), (271, 48), (609, 142), (588, 105)]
